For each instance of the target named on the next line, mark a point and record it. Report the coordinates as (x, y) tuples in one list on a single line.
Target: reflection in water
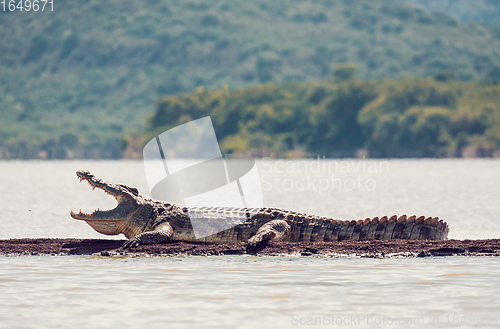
[(246, 292)]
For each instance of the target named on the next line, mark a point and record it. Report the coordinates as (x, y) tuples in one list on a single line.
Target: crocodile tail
[(409, 228), (386, 228)]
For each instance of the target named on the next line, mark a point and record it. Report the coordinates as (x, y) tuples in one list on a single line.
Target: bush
[(344, 72)]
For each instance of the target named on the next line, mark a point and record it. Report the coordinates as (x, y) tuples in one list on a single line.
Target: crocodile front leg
[(274, 230), (161, 234)]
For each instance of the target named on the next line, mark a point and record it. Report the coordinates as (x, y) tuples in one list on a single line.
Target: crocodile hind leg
[(274, 230), (161, 234)]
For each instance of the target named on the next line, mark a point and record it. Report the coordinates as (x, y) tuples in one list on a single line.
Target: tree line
[(343, 117)]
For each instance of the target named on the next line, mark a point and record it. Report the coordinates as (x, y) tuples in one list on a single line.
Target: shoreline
[(363, 249)]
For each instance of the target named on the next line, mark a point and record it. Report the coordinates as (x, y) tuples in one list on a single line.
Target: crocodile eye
[(132, 190)]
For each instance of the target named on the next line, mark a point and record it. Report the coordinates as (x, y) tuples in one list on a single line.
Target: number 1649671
[(27, 5)]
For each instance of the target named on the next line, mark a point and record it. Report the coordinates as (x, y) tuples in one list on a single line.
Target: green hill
[(75, 80)]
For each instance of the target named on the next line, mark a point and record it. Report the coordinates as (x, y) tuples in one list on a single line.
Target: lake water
[(244, 291)]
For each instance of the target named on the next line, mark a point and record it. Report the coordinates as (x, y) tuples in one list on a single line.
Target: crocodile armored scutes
[(146, 221)]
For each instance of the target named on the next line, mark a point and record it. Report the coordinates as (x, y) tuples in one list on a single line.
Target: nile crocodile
[(146, 221)]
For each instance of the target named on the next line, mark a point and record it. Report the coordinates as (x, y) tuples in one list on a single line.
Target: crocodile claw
[(131, 243), (260, 238), (254, 241)]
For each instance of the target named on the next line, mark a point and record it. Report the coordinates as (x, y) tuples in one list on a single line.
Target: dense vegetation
[(477, 11), (74, 81), (412, 117)]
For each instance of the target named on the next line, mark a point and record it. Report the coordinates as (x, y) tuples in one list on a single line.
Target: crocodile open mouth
[(96, 214), (106, 221)]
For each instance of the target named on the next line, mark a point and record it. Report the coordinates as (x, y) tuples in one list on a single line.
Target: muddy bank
[(378, 249)]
